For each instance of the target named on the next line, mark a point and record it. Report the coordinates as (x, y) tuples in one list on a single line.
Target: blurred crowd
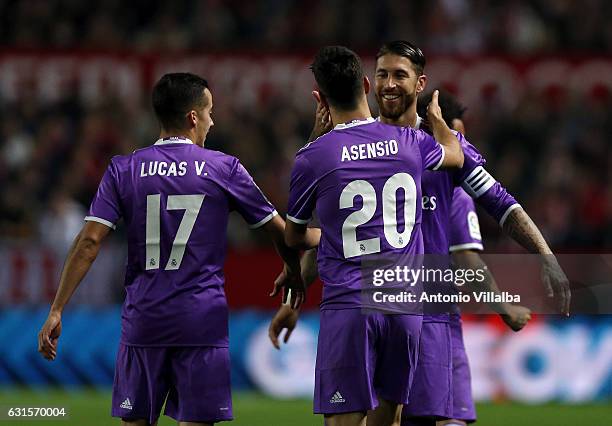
[(552, 152), (514, 26), (554, 155)]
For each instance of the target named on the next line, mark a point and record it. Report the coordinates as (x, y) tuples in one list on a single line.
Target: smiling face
[(397, 85)]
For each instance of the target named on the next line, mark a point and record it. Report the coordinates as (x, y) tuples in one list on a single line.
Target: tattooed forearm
[(521, 229)]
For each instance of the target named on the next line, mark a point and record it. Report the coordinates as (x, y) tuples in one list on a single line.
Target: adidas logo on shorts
[(126, 404), (337, 398)]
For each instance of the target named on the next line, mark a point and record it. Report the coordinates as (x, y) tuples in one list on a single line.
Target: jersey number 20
[(350, 244), (191, 204)]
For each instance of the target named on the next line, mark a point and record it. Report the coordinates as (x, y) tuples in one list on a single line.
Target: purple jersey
[(438, 195), (356, 176), (175, 198), (464, 225)]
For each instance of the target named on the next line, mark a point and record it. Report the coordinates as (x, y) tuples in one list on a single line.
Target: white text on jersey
[(163, 168), (364, 151)]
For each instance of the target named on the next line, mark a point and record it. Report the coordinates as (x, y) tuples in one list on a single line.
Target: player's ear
[(192, 118), (324, 100), (366, 84), (421, 83)]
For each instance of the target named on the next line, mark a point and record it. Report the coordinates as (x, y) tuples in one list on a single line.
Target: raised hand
[(434, 112), (323, 122)]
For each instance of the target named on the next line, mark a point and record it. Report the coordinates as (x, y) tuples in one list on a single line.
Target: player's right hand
[(49, 335), (323, 122), (285, 318), (516, 316)]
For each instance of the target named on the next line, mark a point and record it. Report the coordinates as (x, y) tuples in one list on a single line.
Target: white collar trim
[(354, 123), (173, 139), (417, 125)]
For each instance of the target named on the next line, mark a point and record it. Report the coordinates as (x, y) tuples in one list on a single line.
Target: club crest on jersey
[(474, 226)]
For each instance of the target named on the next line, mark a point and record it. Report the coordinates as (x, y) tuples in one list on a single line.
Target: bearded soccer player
[(442, 386), (363, 367), (175, 197), (399, 80)]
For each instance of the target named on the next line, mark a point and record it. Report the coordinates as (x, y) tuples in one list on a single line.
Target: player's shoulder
[(317, 144), (120, 162), (222, 162)]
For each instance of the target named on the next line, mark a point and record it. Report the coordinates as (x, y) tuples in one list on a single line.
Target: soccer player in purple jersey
[(399, 80), (442, 385), (175, 198), (363, 368)]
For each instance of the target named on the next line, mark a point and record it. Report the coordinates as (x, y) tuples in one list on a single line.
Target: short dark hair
[(407, 50), (174, 95), (339, 75), (451, 107)]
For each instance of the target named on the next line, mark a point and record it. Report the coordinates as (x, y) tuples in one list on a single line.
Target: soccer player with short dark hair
[(398, 82), (444, 393), (361, 367), (175, 198)]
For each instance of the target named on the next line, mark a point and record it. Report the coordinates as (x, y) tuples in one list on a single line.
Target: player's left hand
[(515, 316), (284, 318), (49, 335), (323, 122), (434, 112), (292, 286)]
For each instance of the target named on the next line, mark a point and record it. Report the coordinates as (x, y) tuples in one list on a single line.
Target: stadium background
[(75, 80)]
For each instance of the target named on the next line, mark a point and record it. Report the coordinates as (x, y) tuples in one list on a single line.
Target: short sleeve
[(302, 191), (106, 205), (432, 153), (246, 197), (464, 224)]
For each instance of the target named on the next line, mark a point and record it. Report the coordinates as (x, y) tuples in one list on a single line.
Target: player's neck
[(407, 119), (362, 112), (178, 134)]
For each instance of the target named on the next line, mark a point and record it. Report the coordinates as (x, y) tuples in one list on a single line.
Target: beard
[(394, 110)]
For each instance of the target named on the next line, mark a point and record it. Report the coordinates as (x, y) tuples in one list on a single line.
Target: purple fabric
[(463, 403), (173, 299), (431, 393), (497, 202), (442, 383), (198, 377), (357, 160), (364, 356), (464, 225), (438, 195)]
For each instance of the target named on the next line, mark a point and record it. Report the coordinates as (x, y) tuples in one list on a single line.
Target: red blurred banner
[(127, 76), (250, 275)]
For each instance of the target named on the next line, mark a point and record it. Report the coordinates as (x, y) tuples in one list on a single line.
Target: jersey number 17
[(191, 204)]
